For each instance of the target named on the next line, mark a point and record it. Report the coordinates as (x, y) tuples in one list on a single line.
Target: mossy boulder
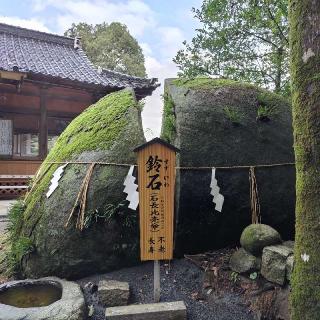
[(105, 132), (215, 123), (257, 236)]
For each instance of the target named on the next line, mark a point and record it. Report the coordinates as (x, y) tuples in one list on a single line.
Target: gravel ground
[(183, 281)]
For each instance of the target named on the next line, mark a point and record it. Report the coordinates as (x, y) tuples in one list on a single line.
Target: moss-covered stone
[(257, 236), (105, 132), (215, 124)]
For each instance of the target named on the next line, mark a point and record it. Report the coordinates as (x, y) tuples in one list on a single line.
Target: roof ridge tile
[(35, 34)]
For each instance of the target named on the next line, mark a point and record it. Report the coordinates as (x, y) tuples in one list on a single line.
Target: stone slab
[(155, 311), (113, 293)]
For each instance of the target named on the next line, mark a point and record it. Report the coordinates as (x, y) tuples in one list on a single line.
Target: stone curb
[(155, 311)]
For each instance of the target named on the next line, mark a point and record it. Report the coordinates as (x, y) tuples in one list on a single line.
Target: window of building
[(26, 145), (55, 127), (26, 136), (6, 129), (19, 135)]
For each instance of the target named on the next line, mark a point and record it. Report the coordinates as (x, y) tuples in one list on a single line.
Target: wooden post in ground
[(156, 281), (156, 179)]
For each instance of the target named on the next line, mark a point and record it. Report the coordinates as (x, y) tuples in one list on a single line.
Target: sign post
[(156, 183)]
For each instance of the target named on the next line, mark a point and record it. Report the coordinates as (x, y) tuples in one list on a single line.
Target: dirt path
[(183, 281)]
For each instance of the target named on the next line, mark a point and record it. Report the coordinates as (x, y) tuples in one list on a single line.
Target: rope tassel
[(81, 200), (254, 198)]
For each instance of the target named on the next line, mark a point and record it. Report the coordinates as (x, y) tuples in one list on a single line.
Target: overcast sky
[(160, 26)]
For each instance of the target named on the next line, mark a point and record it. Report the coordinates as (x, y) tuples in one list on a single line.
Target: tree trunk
[(305, 72)]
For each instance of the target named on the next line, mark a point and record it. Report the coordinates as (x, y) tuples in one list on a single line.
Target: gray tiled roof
[(40, 53)]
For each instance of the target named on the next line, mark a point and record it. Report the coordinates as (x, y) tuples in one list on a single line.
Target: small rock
[(113, 293), (242, 261), (274, 259), (257, 236), (289, 267)]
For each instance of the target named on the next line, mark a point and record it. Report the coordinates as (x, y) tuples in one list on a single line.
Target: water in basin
[(31, 295)]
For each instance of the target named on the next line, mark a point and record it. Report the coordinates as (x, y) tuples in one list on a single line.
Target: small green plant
[(15, 217), (253, 275), (19, 245), (232, 115), (19, 249), (106, 214), (265, 113), (234, 277)]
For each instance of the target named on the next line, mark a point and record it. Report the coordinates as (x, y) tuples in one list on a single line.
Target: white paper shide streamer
[(55, 180), (131, 190), (218, 198)]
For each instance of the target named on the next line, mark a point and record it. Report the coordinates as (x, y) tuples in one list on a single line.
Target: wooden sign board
[(156, 180)]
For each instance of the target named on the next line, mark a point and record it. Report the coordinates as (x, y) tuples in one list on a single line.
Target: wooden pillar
[(43, 128)]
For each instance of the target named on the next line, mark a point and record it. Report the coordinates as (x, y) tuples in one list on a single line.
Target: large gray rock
[(196, 120), (107, 131), (71, 306), (242, 261), (274, 261), (257, 236), (113, 293)]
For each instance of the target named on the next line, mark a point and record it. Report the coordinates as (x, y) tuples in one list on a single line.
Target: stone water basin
[(45, 298)]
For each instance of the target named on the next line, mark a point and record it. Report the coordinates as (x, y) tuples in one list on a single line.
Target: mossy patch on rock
[(107, 131)]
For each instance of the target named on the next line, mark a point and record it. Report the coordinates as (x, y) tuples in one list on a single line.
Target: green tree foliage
[(110, 46), (240, 39), (305, 73)]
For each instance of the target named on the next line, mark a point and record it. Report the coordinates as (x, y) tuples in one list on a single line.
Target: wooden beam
[(55, 114), (13, 90), (12, 75), (43, 130)]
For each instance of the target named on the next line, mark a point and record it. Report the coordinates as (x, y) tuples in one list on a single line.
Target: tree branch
[(277, 25)]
